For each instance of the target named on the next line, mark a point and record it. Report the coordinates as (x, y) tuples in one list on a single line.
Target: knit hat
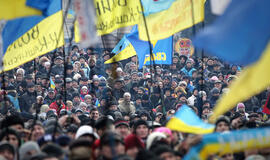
[(155, 136), (133, 141), (27, 147), (120, 122), (140, 122)]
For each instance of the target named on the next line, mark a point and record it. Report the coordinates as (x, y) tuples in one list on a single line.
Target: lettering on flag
[(41, 39), (114, 14)]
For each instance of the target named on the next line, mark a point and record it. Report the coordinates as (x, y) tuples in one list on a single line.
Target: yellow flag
[(114, 14), (178, 17), (10, 9), (41, 39), (126, 53), (251, 81), (77, 37)]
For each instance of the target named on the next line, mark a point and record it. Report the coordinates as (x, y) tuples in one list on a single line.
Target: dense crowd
[(73, 106)]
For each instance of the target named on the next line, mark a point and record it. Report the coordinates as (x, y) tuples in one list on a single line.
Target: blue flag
[(240, 35), (154, 6), (162, 49)]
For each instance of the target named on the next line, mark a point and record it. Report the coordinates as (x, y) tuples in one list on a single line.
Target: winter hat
[(27, 147), (155, 136), (86, 130), (140, 122), (240, 105), (119, 122), (164, 130), (133, 141)]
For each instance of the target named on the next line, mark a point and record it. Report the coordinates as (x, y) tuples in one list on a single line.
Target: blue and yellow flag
[(52, 85), (231, 142), (30, 37), (241, 39), (185, 120), (112, 15), (181, 15), (11, 9), (123, 50), (162, 49)]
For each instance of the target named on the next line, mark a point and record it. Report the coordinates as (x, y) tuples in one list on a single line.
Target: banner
[(162, 49), (85, 12), (29, 37), (162, 52), (114, 14), (230, 142), (168, 22), (184, 47)]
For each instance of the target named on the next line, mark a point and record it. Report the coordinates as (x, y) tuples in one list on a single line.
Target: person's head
[(164, 152), (132, 145), (38, 131), (94, 114), (236, 120), (111, 144), (86, 132), (7, 151), (53, 149), (11, 136), (104, 124), (228, 156), (58, 60), (240, 107), (31, 87), (28, 149), (122, 127), (222, 124), (206, 110), (127, 96), (141, 129), (80, 149), (13, 121)]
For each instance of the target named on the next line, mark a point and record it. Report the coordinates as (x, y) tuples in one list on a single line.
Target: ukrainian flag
[(27, 38), (185, 120), (52, 85)]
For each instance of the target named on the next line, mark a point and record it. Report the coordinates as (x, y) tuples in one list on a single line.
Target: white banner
[(86, 16)]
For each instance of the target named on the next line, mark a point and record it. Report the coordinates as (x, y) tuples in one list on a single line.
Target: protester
[(75, 106)]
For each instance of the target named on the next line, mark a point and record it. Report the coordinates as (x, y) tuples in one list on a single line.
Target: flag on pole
[(123, 50), (52, 84), (185, 120), (27, 38)]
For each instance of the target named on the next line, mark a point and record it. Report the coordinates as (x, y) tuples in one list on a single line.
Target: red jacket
[(56, 107)]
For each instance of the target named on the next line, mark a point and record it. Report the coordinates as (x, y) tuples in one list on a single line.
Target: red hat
[(133, 141)]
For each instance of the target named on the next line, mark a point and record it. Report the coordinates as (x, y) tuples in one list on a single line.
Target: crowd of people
[(73, 106)]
